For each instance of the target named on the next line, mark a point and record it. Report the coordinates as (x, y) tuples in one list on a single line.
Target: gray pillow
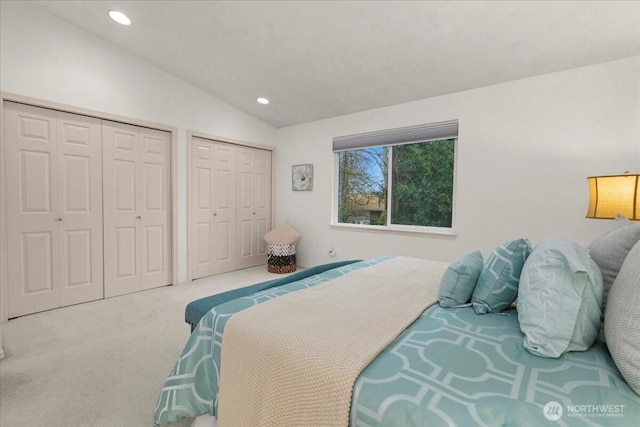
[(622, 320), (610, 249), (460, 279)]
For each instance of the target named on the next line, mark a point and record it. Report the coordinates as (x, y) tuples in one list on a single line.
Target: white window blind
[(397, 136)]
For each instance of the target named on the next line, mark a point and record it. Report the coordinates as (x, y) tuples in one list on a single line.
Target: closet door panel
[(80, 201), (136, 208), (246, 227), (262, 228), (224, 207), (121, 207), (212, 213), (254, 207), (37, 256), (78, 266), (126, 255), (32, 221), (204, 253), (201, 209), (245, 238), (155, 207), (35, 181), (262, 218)]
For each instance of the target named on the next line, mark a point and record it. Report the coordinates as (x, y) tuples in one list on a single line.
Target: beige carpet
[(101, 363)]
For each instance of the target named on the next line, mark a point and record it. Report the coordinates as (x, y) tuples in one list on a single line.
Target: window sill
[(397, 229)]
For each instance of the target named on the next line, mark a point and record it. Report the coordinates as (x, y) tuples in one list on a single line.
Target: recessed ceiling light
[(119, 17), (263, 101)]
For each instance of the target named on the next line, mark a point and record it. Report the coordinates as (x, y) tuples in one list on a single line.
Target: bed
[(448, 366)]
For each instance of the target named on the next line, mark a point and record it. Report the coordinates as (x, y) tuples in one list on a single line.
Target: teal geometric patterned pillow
[(460, 279), (497, 285)]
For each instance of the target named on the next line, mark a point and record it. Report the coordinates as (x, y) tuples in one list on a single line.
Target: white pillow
[(559, 299)]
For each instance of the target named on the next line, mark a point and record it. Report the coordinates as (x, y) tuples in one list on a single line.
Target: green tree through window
[(421, 190), (422, 184)]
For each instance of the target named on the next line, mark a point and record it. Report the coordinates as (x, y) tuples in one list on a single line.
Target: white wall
[(44, 57), (524, 151)]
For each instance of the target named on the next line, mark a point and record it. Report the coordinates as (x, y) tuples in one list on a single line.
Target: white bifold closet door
[(137, 234), (253, 205), (54, 208), (213, 207), (230, 206)]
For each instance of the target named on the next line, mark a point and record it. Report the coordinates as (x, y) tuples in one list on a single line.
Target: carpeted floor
[(101, 363)]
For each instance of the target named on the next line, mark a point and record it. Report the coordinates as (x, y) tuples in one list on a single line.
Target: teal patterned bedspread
[(451, 367)]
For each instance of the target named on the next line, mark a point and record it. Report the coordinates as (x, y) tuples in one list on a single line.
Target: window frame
[(390, 227)]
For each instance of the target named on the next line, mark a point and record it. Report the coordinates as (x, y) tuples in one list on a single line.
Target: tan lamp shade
[(613, 195)]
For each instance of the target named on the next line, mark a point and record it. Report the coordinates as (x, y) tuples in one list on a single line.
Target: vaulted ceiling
[(320, 59)]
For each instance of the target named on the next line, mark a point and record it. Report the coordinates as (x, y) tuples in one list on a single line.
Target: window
[(399, 178)]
